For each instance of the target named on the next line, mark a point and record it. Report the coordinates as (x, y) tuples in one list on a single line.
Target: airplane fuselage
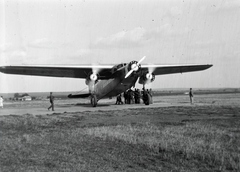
[(113, 87)]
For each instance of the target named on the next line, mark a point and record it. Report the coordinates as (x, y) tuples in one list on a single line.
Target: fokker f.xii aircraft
[(104, 80)]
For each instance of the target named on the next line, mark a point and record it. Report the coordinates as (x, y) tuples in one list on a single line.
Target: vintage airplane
[(104, 80)]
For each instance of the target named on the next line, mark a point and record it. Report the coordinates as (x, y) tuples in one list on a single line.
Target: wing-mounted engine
[(146, 78), (91, 78)]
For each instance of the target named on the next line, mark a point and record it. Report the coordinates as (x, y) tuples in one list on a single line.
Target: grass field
[(188, 138)]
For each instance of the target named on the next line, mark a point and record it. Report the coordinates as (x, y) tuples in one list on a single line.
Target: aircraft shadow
[(89, 105)]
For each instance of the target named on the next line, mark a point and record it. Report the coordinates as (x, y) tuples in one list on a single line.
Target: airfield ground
[(169, 135)]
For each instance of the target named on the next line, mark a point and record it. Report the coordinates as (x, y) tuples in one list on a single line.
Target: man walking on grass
[(51, 101)]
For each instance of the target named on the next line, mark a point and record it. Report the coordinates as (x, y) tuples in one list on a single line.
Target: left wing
[(170, 69), (58, 71)]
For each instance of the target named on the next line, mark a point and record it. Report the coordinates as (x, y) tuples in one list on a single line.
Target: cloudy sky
[(110, 32)]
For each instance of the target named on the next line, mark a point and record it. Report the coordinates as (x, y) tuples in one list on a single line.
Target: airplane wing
[(82, 71), (58, 71), (171, 69)]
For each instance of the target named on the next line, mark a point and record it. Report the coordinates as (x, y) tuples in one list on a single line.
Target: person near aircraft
[(129, 96), (146, 96), (137, 96), (125, 95), (151, 96), (132, 97), (1, 102), (119, 99), (191, 96), (51, 98)]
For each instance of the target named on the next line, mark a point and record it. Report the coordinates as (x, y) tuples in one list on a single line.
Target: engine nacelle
[(92, 77), (146, 78), (133, 65)]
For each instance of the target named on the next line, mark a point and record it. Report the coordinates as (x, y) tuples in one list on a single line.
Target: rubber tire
[(147, 99), (94, 100)]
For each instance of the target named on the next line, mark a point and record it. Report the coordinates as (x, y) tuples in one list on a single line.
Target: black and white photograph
[(120, 85)]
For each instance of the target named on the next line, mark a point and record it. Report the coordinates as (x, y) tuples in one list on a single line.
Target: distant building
[(25, 98)]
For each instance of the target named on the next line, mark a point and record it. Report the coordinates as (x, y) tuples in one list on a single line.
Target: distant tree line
[(17, 95)]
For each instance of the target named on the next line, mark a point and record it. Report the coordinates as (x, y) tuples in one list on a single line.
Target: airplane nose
[(134, 67)]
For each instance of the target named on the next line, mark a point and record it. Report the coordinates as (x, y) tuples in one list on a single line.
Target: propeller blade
[(95, 70), (141, 60), (131, 71), (151, 69)]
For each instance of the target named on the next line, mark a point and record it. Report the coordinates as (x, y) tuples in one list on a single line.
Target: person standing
[(151, 96), (125, 95), (119, 99), (137, 96), (1, 102), (191, 96), (51, 101)]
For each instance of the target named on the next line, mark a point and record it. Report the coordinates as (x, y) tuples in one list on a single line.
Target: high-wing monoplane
[(105, 80)]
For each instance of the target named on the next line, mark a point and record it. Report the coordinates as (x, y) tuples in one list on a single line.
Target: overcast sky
[(110, 32)]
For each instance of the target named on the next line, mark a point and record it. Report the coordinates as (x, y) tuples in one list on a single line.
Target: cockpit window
[(118, 66)]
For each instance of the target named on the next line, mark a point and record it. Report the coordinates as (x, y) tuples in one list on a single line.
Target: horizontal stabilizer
[(79, 95)]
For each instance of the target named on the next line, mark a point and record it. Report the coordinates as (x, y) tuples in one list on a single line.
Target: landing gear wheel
[(94, 100), (146, 99)]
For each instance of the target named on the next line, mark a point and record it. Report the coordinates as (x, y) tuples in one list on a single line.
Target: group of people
[(130, 97), (133, 96)]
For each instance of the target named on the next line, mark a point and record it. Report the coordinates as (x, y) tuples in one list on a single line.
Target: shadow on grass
[(89, 105)]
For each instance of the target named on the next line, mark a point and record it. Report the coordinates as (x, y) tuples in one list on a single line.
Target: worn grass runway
[(174, 137)]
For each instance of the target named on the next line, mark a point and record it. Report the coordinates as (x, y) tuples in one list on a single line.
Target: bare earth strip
[(169, 135)]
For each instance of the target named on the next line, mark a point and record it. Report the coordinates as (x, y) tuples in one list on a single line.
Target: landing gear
[(94, 100), (146, 98)]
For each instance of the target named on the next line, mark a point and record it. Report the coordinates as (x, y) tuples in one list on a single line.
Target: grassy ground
[(197, 138)]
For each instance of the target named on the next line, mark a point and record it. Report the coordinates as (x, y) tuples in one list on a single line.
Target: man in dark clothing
[(137, 96), (191, 96), (129, 96), (125, 95), (51, 101), (119, 99), (151, 96)]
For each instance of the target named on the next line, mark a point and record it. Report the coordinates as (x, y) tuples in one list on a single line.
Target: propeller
[(95, 71), (93, 77), (151, 68), (135, 67), (149, 76)]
